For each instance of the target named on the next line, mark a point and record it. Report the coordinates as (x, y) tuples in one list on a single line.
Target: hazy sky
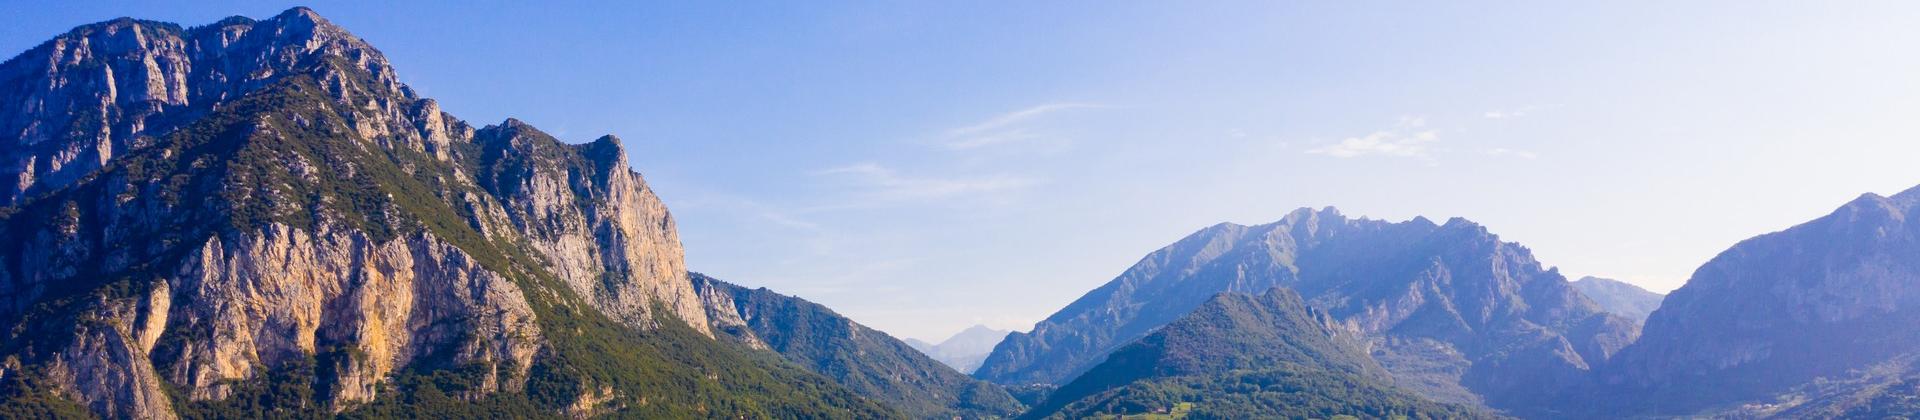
[(924, 167)]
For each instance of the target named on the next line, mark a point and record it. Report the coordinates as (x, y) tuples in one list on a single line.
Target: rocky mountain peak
[(605, 153), (1452, 295), (273, 181), (107, 89), (1462, 224)]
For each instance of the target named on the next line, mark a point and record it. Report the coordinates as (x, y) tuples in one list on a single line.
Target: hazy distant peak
[(1423, 221), (975, 336), (1618, 297), (965, 350)]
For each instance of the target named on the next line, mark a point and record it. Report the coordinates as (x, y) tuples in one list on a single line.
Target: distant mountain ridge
[(964, 350), (1620, 298), (863, 359), (1455, 313)]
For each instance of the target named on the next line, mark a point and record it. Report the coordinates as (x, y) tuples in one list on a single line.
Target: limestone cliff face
[(254, 301), (284, 293), (192, 208), (602, 230), (106, 366)]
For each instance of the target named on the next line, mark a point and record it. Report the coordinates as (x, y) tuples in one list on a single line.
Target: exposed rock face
[(1619, 298), (1838, 293), (260, 300), (1452, 311), (102, 90), (602, 230), (865, 360), (725, 314), (195, 207), (284, 293), (105, 367)]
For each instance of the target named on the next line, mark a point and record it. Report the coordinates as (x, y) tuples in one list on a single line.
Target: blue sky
[(922, 167)]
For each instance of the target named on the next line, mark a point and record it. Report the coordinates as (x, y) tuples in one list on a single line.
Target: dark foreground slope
[(255, 218), (864, 360), (1243, 356)]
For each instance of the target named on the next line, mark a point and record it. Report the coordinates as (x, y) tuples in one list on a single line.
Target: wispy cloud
[(1005, 128), (882, 183), (1516, 153), (1512, 113), (1408, 137), (988, 139)]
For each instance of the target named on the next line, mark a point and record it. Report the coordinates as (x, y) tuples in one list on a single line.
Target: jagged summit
[(107, 89), (513, 123), (301, 13)]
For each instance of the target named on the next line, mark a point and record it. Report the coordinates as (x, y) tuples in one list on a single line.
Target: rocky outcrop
[(724, 314), (1820, 299), (1451, 310), (594, 219), (106, 366)]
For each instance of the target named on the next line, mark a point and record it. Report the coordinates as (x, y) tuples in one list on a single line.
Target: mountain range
[(255, 218)]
